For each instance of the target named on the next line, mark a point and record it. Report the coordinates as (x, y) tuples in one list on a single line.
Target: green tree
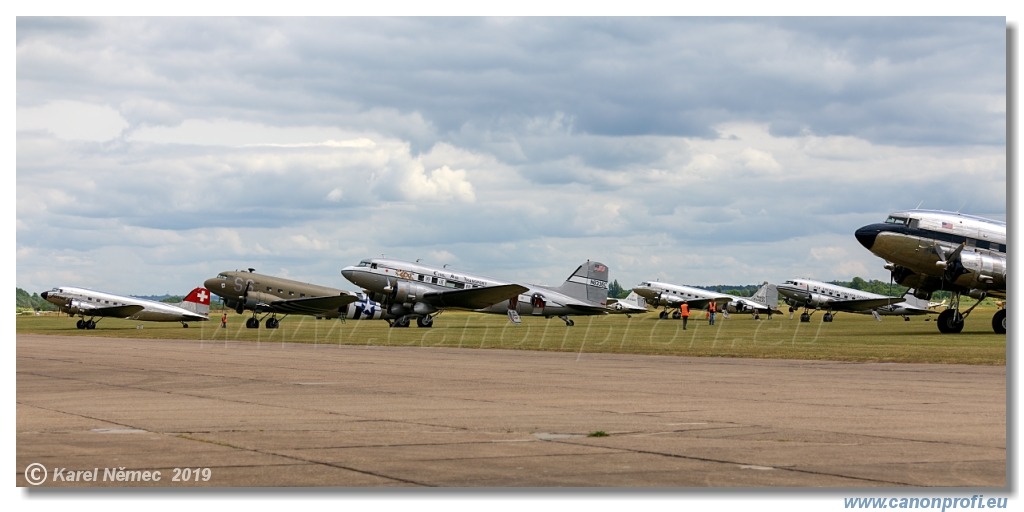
[(615, 290)]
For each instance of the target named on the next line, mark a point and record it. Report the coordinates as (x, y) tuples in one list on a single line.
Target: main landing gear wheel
[(663, 315), (272, 323), (951, 321), (252, 323), (805, 317), (827, 317), (402, 321), (425, 321), (999, 322)]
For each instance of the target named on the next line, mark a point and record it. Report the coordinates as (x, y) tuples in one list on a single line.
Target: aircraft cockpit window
[(897, 220)]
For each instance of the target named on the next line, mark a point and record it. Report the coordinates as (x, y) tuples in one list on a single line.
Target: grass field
[(850, 337)]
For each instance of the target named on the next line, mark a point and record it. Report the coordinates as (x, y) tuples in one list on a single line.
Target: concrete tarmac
[(178, 414)]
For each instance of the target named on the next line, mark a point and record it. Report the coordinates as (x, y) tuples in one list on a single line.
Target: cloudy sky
[(153, 153)]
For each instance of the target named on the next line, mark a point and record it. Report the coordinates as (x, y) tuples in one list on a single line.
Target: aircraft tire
[(676, 315), (827, 317), (80, 324), (999, 322), (90, 325), (804, 317), (272, 323), (663, 315), (950, 322), (425, 322), (252, 323)]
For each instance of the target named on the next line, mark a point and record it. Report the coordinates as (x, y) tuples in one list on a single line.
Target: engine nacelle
[(75, 307), (984, 272), (405, 292)]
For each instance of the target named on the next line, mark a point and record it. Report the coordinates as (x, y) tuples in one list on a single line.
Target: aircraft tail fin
[(197, 301), (634, 299), (768, 295), (588, 282)]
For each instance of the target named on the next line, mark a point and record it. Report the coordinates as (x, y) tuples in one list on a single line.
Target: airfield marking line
[(730, 463)]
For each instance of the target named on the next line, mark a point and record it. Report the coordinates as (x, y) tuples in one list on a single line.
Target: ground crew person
[(712, 307), (224, 320), (684, 311)]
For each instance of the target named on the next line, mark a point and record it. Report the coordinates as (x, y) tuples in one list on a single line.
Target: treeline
[(34, 302)]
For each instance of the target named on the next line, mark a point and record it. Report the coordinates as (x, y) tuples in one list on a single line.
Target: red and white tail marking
[(199, 296)]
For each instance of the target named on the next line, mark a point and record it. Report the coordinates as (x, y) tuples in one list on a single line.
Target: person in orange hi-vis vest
[(684, 311), (712, 308)]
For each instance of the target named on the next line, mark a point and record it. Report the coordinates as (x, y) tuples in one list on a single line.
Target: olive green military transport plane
[(246, 290)]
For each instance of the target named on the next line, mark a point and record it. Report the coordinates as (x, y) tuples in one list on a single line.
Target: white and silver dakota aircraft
[(814, 295), (931, 250), (93, 304), (413, 290), (671, 296)]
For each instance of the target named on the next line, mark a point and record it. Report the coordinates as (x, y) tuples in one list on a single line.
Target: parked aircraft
[(814, 295), (931, 250), (671, 296), (633, 304), (84, 303), (247, 290), (415, 290), (911, 306)]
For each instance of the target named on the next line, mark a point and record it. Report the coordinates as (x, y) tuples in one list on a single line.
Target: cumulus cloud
[(698, 149)]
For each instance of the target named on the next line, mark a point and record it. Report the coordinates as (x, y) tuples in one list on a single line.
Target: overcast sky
[(153, 153)]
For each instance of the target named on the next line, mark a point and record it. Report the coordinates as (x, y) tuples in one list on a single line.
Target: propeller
[(245, 298)]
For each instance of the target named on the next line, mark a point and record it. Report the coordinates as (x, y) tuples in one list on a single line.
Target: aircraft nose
[(867, 235), (348, 272), (44, 295)]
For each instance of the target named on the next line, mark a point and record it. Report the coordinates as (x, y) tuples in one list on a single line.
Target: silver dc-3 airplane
[(814, 295), (84, 303), (671, 296), (929, 250), (414, 290)]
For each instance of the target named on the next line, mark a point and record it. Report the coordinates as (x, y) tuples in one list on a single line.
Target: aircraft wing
[(474, 298), (698, 304), (113, 312), (756, 306), (864, 304), (695, 304), (311, 305)]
